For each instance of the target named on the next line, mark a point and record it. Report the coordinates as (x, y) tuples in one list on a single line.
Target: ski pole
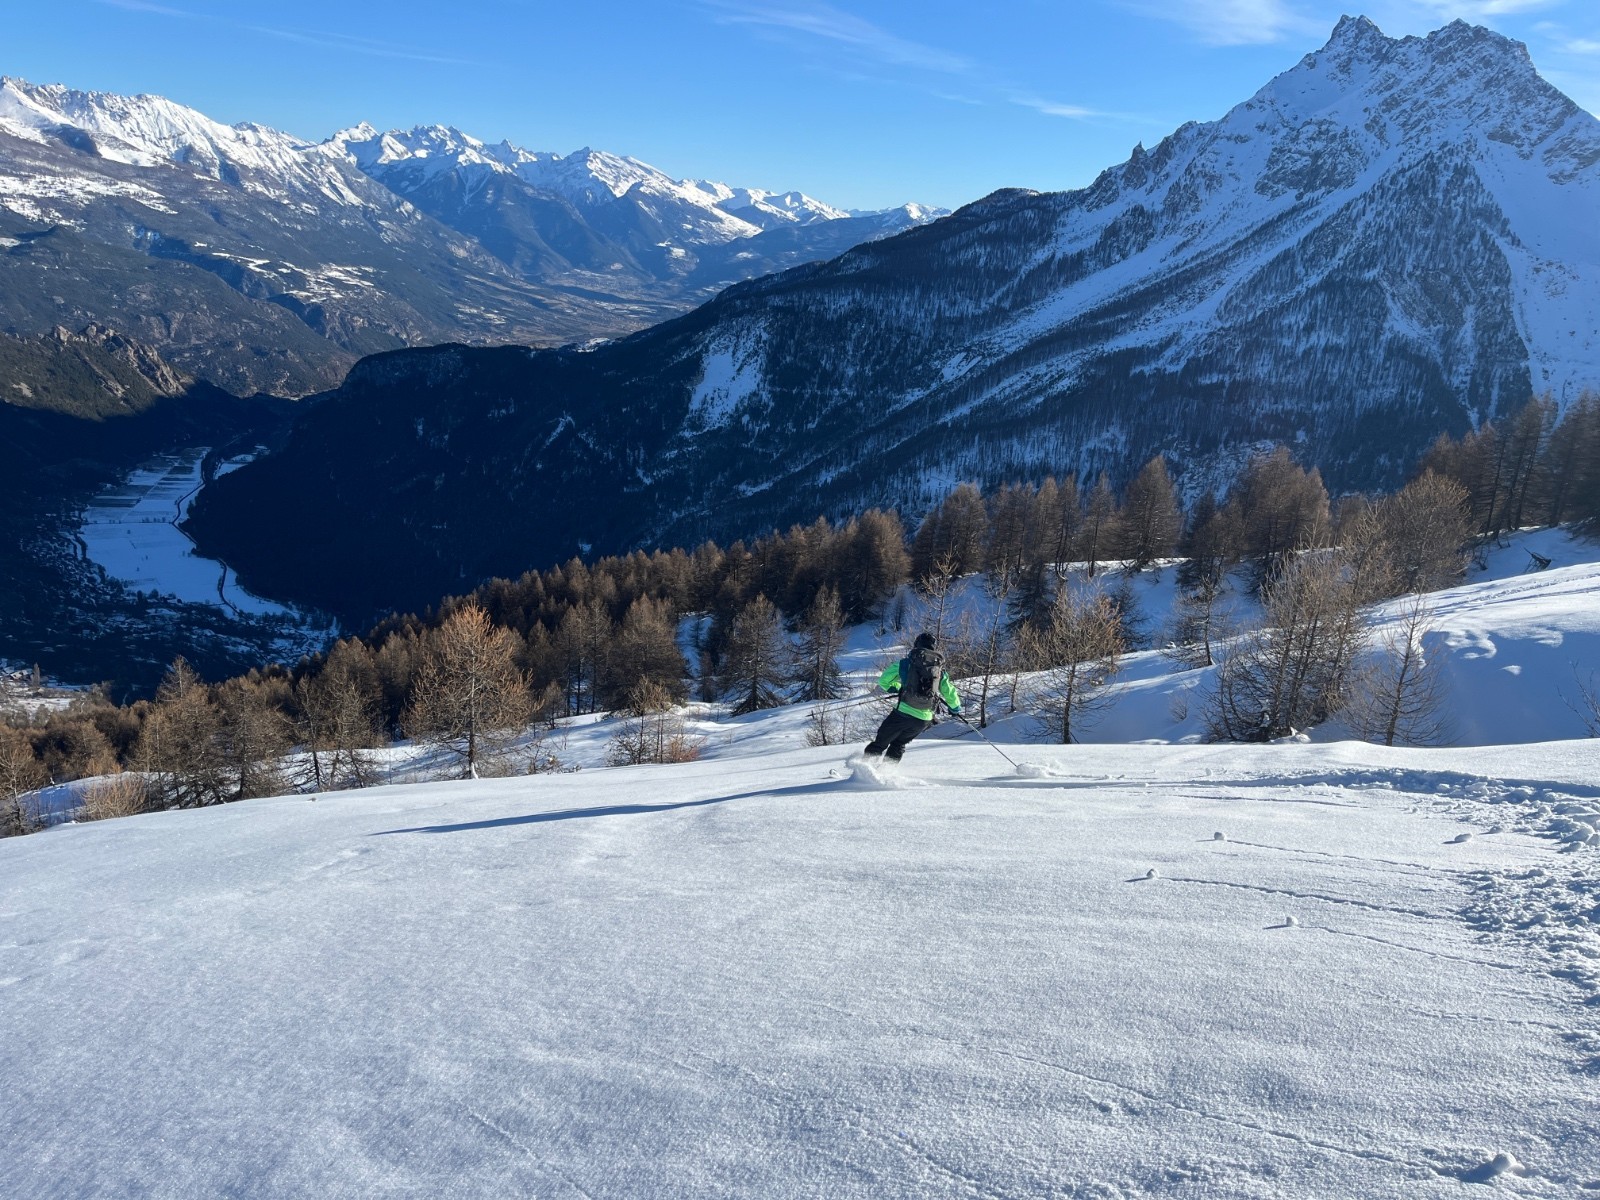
[(992, 746)]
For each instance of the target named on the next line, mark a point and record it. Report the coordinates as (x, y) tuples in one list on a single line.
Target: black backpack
[(919, 678)]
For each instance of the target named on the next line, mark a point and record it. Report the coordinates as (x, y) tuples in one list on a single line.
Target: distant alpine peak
[(719, 211), (152, 131)]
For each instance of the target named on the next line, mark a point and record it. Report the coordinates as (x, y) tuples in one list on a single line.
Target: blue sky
[(862, 104)]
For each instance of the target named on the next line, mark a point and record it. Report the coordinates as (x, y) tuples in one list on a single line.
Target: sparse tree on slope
[(1079, 652), (816, 655), (1291, 672), (755, 659), (1401, 696), (469, 697)]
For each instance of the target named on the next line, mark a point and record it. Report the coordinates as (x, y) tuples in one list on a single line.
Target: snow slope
[(1301, 970), (750, 977)]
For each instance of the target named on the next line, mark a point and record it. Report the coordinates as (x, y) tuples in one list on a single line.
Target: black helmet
[(925, 641)]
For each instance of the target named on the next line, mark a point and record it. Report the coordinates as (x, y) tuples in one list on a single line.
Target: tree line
[(471, 677)]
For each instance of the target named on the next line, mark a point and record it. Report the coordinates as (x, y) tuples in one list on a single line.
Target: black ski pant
[(898, 728)]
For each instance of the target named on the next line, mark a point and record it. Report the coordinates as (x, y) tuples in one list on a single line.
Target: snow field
[(746, 976)]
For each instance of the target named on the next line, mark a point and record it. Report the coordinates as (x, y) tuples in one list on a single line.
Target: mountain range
[(258, 261), (1394, 238)]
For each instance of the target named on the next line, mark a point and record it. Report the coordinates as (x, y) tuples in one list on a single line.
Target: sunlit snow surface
[(130, 531), (1318, 970), (752, 976)]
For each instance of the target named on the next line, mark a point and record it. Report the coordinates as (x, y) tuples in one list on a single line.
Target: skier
[(920, 681)]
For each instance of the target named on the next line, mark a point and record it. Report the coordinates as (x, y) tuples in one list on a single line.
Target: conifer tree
[(954, 532), (180, 747), (1079, 651), (1152, 518), (1280, 508), (469, 697), (644, 653), (21, 773), (873, 563), (816, 655), (755, 659), (1098, 534), (255, 734)]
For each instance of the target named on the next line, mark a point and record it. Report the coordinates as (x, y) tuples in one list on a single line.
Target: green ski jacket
[(889, 681)]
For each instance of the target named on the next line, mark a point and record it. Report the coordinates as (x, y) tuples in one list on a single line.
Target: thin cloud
[(1233, 22), (1478, 10), (824, 24), (340, 41), (324, 41), (829, 24), (1072, 112), (144, 6)]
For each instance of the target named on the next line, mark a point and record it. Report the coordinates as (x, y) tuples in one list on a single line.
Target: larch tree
[(255, 735), (1281, 508), (1291, 671), (469, 697), (1400, 696), (180, 747), (816, 653), (755, 659), (1098, 533), (1151, 516), (643, 658), (984, 648), (1078, 653), (21, 773), (340, 712)]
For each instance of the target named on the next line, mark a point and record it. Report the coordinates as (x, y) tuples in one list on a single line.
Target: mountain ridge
[(1381, 244), (320, 262)]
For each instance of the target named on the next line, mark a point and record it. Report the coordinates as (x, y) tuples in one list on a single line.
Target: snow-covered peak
[(1442, 83), (778, 208), (152, 131), (144, 129), (428, 149), (703, 210), (591, 174), (910, 212)]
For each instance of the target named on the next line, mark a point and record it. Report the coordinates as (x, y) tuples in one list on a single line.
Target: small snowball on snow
[(1503, 1164), (1497, 829), (1219, 836), (1152, 873), (1459, 838), (1292, 922)]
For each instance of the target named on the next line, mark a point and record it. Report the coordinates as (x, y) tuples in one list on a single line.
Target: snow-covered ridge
[(1307, 150), (587, 177), (151, 131)]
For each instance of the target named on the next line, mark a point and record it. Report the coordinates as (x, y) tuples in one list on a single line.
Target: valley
[(463, 605)]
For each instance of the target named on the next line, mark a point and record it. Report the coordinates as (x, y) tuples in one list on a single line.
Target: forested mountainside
[(78, 411), (1392, 239), (262, 262)]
